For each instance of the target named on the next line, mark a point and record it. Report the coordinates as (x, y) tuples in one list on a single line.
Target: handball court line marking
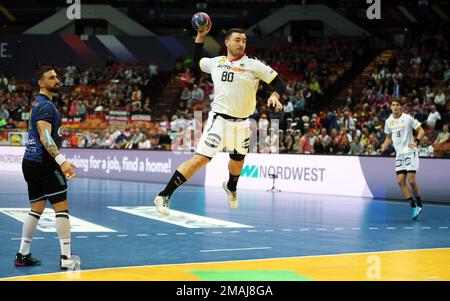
[(248, 231), (237, 249)]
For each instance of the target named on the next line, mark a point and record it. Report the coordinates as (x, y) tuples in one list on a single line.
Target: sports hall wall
[(333, 175)]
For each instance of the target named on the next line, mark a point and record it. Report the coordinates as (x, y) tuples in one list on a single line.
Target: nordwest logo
[(313, 174), (250, 171)]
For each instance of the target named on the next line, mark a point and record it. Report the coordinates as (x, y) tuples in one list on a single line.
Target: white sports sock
[(28, 229), (63, 230)]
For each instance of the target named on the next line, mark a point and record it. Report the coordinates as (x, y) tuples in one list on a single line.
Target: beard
[(236, 53), (54, 89)]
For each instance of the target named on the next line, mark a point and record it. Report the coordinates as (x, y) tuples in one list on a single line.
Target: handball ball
[(201, 21)]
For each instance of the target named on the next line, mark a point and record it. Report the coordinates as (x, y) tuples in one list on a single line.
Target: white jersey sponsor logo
[(236, 83)]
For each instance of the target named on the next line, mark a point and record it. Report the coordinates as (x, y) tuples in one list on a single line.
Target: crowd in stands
[(87, 91), (419, 75)]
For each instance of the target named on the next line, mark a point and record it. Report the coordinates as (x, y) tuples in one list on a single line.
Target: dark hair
[(41, 70), (231, 30), (396, 100)]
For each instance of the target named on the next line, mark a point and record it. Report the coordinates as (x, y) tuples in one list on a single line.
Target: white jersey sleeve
[(387, 129), (415, 123), (263, 71), (205, 64)]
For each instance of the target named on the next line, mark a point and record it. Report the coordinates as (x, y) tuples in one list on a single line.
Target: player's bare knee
[(237, 164), (199, 161), (237, 158), (62, 205), (412, 182), (401, 182), (38, 207)]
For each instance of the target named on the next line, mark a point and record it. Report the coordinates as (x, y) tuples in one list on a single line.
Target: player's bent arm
[(420, 134), (280, 87), (386, 143), (45, 130)]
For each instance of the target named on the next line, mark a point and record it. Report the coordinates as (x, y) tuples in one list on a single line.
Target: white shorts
[(407, 162), (220, 133)]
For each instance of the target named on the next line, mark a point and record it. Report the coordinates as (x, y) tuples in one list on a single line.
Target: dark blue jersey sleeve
[(43, 111)]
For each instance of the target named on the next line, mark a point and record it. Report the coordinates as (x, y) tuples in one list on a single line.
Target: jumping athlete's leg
[(235, 166), (183, 173), (209, 144)]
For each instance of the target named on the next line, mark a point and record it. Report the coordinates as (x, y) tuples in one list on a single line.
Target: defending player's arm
[(386, 143), (280, 87), (45, 130)]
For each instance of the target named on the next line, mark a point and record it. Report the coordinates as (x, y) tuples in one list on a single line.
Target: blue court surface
[(118, 226)]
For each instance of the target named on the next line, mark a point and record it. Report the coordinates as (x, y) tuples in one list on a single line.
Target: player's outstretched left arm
[(280, 87), (274, 101)]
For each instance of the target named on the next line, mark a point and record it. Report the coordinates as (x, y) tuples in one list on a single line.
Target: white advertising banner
[(11, 158), (296, 173), (333, 175)]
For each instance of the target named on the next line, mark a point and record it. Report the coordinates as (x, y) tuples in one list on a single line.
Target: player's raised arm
[(200, 38), (198, 48)]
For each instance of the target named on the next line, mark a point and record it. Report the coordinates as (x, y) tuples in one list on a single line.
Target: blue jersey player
[(46, 172)]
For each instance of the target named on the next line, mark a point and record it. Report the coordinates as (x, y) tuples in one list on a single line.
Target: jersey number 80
[(227, 76)]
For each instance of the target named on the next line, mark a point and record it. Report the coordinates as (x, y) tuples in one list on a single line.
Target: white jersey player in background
[(399, 131), (236, 78)]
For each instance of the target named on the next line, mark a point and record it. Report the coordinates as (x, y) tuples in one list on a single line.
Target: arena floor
[(272, 236)]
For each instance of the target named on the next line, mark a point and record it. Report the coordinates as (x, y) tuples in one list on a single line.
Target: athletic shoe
[(162, 204), (415, 212), (232, 196), (26, 260), (69, 263)]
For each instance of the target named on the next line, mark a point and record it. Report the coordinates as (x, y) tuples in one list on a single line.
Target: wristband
[(60, 159)]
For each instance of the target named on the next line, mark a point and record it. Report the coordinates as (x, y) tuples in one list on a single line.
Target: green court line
[(255, 275)]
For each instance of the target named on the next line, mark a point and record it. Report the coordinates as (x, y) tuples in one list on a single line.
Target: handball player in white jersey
[(236, 78), (399, 129)]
